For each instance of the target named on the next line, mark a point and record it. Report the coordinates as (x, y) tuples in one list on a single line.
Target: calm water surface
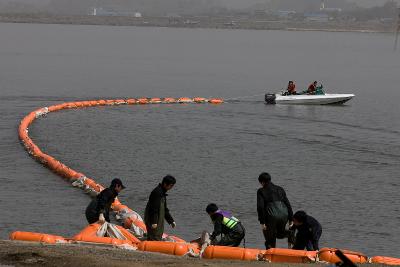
[(339, 163)]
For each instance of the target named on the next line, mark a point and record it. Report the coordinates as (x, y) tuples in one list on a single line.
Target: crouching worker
[(228, 227), (99, 208), (309, 231)]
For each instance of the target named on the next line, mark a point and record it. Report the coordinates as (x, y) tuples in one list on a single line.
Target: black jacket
[(101, 204), (310, 230), (272, 202), (153, 206)]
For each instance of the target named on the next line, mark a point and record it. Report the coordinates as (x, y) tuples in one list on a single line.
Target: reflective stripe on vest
[(230, 222)]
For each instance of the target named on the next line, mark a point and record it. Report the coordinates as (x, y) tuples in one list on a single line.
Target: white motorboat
[(320, 99)]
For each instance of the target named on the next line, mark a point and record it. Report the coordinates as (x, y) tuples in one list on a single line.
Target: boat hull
[(327, 99)]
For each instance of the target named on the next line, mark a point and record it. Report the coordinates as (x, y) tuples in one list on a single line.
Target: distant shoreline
[(194, 22)]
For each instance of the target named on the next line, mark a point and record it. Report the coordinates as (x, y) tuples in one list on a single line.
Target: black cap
[(264, 177), (300, 216), (212, 207), (115, 182)]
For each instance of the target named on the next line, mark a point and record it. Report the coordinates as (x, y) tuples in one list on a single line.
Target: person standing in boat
[(99, 208), (157, 210), (274, 210), (309, 231), (291, 88), (228, 227), (312, 88)]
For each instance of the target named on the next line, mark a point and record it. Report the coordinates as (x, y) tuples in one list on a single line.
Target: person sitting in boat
[(291, 88), (312, 88), (319, 90), (228, 227)]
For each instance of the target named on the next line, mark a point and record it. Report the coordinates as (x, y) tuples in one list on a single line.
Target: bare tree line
[(191, 7)]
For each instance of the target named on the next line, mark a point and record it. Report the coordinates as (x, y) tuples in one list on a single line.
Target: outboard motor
[(270, 98)]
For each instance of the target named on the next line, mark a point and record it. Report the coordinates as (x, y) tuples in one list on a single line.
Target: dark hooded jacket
[(156, 211), (309, 232), (101, 204), (272, 203)]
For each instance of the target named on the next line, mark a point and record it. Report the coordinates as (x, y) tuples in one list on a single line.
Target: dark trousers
[(275, 229), (233, 238), (304, 240), (154, 234), (93, 217)]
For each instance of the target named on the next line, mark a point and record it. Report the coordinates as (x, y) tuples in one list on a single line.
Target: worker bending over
[(308, 229), (228, 227)]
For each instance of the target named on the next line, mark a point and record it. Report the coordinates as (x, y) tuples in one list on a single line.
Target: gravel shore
[(17, 253)]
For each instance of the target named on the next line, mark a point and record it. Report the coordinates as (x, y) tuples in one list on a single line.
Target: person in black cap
[(230, 228), (99, 208), (309, 231), (157, 210), (274, 210)]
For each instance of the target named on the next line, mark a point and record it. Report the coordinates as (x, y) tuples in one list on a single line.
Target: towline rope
[(243, 97)]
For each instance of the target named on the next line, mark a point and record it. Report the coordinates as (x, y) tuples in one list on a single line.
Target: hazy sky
[(369, 3), (364, 3), (241, 3)]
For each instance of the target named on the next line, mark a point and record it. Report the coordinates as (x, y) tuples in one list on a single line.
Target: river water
[(338, 163)]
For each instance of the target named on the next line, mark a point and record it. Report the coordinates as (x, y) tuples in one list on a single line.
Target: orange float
[(185, 100), (169, 100), (89, 230), (143, 101), (155, 100), (135, 221), (79, 104), (385, 260), (328, 255), (71, 105), (92, 184), (231, 253), (176, 239), (89, 234), (110, 102), (37, 237), (288, 255), (69, 173), (199, 100), (171, 248), (118, 206), (119, 102), (86, 103), (53, 164), (216, 101), (131, 101), (56, 107)]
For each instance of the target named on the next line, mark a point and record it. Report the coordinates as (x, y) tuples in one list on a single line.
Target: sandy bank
[(15, 253), (34, 254)]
